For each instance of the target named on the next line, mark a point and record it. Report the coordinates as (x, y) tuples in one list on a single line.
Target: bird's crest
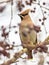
[(24, 13)]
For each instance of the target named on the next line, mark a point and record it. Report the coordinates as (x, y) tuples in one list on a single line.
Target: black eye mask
[(24, 14)]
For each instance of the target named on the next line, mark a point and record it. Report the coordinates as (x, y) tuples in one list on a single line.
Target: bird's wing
[(28, 37)]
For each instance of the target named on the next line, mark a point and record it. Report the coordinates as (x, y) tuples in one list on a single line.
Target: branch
[(43, 15), (15, 57), (5, 1), (24, 50)]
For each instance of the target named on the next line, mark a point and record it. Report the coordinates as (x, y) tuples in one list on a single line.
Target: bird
[(28, 32)]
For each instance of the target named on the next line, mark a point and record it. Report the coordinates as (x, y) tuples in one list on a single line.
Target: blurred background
[(39, 15)]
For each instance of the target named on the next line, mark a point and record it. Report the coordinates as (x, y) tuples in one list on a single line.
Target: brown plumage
[(28, 32)]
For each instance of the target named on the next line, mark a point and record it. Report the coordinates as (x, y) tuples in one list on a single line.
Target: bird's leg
[(29, 53)]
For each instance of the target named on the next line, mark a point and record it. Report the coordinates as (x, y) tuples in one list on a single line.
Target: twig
[(43, 16), (15, 57), (41, 6), (41, 60), (5, 1), (11, 15)]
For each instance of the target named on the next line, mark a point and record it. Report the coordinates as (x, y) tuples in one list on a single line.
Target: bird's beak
[(21, 16)]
